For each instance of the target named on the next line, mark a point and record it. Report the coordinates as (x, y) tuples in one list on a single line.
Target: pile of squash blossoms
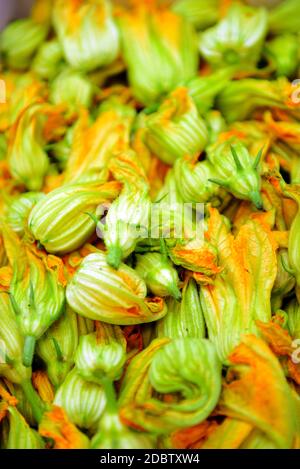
[(121, 327)]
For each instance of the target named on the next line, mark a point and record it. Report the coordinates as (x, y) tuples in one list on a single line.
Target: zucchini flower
[(65, 435), (97, 291), (84, 402), (285, 17), (20, 435), (128, 216), (19, 210), (159, 274), (241, 97), (282, 52), (237, 171), (176, 129), (185, 318), (86, 32), (253, 367), (237, 38), (113, 434), (241, 292), (61, 221), (159, 49), (204, 89), (101, 355), (48, 60), (294, 255), (19, 41), (58, 346), (37, 295), (193, 180), (27, 157), (73, 89), (200, 13), (293, 311), (12, 343), (187, 367), (197, 255), (93, 145)]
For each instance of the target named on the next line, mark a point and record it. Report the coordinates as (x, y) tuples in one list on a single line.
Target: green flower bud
[(72, 88), (199, 12), (21, 436), (282, 51), (293, 311), (19, 210), (48, 60), (94, 144), (193, 180), (11, 344), (159, 274), (19, 41), (204, 89), (86, 32), (61, 221), (285, 17), (237, 171), (240, 98), (237, 38), (102, 354), (187, 367), (83, 401), (185, 318), (58, 346), (28, 160), (85, 325), (128, 217), (159, 49), (293, 242), (100, 292), (37, 296), (176, 129), (241, 292), (113, 434)]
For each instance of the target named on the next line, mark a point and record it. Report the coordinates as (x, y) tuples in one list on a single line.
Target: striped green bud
[(237, 171), (19, 210), (73, 89), (28, 160), (159, 274), (185, 367), (293, 311), (237, 38), (97, 291), (58, 346), (83, 401), (113, 434), (184, 318), (159, 49), (48, 60), (193, 180), (86, 32), (19, 41), (61, 221), (20, 435), (102, 354), (176, 129)]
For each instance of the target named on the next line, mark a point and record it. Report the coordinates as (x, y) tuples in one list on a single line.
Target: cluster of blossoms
[(111, 336)]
